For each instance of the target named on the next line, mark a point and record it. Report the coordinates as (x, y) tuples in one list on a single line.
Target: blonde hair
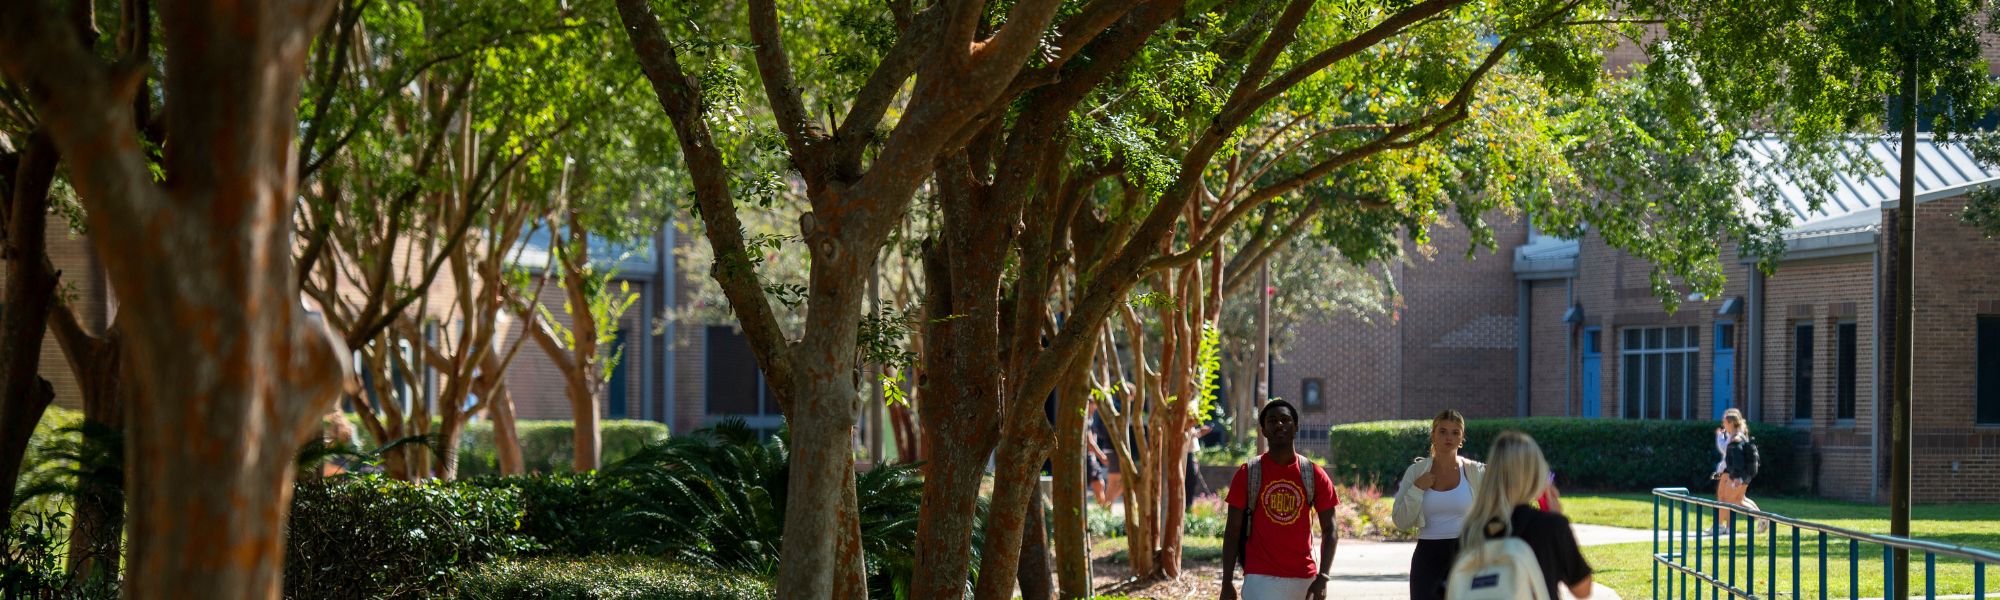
[(1448, 415), (1737, 427), (1516, 473)]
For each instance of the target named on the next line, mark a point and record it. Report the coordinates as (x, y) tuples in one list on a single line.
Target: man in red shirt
[(1277, 558)]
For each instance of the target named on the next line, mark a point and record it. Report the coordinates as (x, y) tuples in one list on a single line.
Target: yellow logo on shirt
[(1283, 501)]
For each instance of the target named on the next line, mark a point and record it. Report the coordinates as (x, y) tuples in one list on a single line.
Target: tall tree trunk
[(506, 439), (1071, 544), (822, 555), (98, 526), (960, 403), (235, 373), (1033, 579), (904, 425), (24, 395), (588, 430), (576, 384), (585, 381), (1901, 446)]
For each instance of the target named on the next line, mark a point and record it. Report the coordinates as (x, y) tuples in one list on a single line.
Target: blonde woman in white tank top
[(1433, 497)]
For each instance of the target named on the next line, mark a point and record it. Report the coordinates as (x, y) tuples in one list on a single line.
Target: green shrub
[(1102, 523), (564, 512), (1231, 454), (372, 537), (715, 499), (607, 578), (31, 562), (59, 427), (550, 446), (1586, 454)]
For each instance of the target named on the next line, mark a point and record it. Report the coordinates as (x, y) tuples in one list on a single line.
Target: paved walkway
[(1381, 570)]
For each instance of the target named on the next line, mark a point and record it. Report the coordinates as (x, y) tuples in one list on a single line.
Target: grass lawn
[(1628, 568)]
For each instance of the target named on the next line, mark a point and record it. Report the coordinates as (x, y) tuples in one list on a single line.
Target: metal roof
[(1849, 217), (1943, 169), (632, 260)]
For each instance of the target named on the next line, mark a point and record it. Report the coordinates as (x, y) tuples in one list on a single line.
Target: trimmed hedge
[(606, 578), (372, 537), (1586, 454), (549, 446)]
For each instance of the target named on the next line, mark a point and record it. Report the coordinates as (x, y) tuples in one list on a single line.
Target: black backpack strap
[(1256, 477)]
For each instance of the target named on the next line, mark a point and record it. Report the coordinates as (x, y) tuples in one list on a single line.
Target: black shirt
[(1554, 544)]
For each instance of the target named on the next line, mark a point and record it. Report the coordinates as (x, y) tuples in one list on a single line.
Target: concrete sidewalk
[(1381, 570)]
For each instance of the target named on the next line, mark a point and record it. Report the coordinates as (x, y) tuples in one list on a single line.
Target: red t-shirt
[(1281, 531)]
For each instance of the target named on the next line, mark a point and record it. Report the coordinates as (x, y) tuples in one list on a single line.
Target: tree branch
[(1238, 272), (1282, 35), (774, 68), (1078, 30), (1437, 121), (681, 98), (1374, 35), (857, 130)]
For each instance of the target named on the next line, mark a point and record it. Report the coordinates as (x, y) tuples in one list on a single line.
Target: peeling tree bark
[(1072, 545), (962, 75), (236, 372)]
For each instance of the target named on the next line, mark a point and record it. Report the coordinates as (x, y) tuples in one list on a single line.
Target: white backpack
[(1503, 568)]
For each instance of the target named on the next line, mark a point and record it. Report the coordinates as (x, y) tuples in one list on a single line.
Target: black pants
[(1430, 565)]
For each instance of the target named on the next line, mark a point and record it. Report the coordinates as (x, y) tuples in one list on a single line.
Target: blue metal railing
[(1680, 549)]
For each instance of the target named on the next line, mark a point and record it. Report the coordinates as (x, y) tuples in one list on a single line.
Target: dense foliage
[(548, 446), (607, 577), (1586, 454), (372, 537)]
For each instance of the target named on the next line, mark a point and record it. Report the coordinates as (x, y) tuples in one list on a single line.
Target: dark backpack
[(1743, 459)]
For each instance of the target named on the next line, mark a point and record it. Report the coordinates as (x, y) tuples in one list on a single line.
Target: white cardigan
[(1409, 509)]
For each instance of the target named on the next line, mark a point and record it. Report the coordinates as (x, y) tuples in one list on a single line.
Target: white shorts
[(1266, 587)]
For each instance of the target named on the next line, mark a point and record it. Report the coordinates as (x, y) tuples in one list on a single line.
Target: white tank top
[(1444, 512)]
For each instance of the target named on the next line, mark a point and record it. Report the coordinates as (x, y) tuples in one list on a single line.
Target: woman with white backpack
[(1510, 548)]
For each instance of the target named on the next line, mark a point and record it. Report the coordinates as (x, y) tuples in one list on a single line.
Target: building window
[(1989, 370), (1309, 393), (1802, 371), (1843, 387), (615, 394), (1657, 379), (736, 387)]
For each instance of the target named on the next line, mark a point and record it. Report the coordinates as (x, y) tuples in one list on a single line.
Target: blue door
[(1593, 372), (1725, 367)]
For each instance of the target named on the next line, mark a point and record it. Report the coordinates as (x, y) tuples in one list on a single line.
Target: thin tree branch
[(1239, 271), (1298, 73), (680, 96), (857, 130), (774, 68)]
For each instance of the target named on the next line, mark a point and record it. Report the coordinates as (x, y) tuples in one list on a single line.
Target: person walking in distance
[(1503, 506), (1268, 530), (1739, 465), (1433, 496)]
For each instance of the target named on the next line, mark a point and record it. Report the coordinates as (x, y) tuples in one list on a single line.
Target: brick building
[(687, 376), (1798, 347)]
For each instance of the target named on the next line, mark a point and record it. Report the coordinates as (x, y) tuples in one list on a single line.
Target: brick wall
[(1615, 291), (1459, 333), (1955, 460), (1448, 342), (1824, 293), (83, 280), (1552, 381), (536, 383)]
